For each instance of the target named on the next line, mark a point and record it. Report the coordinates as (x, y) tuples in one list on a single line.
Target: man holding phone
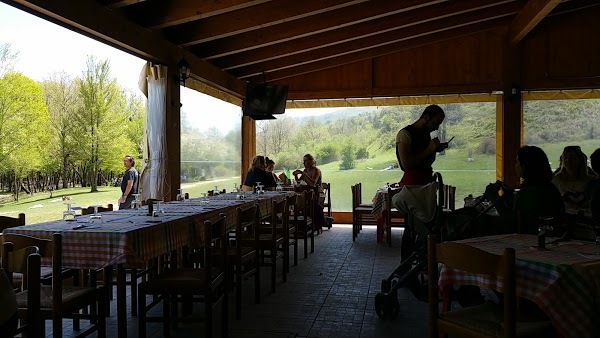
[(416, 150)]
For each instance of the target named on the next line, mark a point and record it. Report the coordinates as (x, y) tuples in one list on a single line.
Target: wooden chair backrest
[(354, 196), (327, 194), (279, 214), (467, 258), (90, 210), (247, 222), (214, 240), (10, 222), (449, 197)]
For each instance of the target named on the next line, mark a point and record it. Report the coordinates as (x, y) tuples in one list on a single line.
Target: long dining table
[(131, 237), (563, 279)]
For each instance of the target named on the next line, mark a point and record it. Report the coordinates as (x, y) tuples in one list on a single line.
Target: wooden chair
[(90, 210), (361, 213), (292, 202), (22, 260), (325, 198), (303, 220), (487, 320), (244, 260), (10, 222), (393, 217), (206, 284), (449, 197), (274, 241), (57, 301)]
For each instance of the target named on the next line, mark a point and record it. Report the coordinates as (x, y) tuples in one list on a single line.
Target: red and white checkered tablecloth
[(131, 237), (564, 280), (379, 203)]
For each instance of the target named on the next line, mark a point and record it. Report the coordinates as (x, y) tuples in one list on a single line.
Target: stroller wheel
[(387, 306)]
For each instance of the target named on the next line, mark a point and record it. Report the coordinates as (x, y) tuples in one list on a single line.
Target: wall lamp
[(183, 71)]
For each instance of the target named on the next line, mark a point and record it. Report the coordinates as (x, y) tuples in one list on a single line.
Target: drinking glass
[(204, 200), (235, 188), (96, 214), (69, 214), (279, 186), (157, 211), (216, 191), (180, 195), (136, 203)]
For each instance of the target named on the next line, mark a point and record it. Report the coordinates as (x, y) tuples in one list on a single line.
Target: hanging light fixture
[(183, 69)]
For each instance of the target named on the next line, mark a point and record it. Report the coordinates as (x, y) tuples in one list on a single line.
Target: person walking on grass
[(129, 183)]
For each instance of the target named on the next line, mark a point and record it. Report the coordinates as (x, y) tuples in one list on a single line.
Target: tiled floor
[(329, 294)]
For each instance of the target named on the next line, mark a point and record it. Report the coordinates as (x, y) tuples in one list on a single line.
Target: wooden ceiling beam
[(532, 13), (162, 14), (366, 29), (319, 23), (573, 5), (381, 50), (374, 42), (100, 23), (120, 3), (248, 19)]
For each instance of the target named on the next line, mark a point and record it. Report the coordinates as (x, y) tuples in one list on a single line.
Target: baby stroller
[(407, 273), (411, 272)]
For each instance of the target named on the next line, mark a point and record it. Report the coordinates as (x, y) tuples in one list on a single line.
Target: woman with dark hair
[(270, 167), (537, 196), (258, 173), (572, 178)]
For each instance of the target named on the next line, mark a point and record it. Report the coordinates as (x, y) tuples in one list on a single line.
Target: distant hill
[(338, 114)]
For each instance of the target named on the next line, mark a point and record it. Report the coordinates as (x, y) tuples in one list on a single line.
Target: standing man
[(415, 150), (129, 184)]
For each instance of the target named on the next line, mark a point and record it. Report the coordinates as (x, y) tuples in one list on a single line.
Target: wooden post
[(509, 120), (248, 144), (173, 135)]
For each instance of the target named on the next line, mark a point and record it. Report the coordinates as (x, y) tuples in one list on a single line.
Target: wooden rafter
[(247, 19), (319, 23), (381, 50), (532, 13), (162, 14), (362, 30), (375, 41), (100, 23), (120, 3)]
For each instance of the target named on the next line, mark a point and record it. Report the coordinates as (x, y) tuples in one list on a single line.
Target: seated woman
[(537, 196), (311, 175), (572, 178), (270, 168), (257, 173)]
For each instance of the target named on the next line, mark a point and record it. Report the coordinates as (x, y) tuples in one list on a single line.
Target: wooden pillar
[(173, 136), (248, 144), (509, 120)]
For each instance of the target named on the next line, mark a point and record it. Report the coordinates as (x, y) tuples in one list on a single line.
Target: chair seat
[(366, 205), (182, 280), (488, 319), (70, 295)]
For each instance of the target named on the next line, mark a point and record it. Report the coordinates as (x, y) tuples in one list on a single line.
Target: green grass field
[(468, 177)]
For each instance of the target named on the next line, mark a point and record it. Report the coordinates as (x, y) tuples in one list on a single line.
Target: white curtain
[(155, 156)]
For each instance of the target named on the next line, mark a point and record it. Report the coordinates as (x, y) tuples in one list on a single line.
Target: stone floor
[(329, 294)]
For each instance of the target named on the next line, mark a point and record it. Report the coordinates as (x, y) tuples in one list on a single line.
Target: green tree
[(101, 123), (24, 131), (348, 157), (327, 153)]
